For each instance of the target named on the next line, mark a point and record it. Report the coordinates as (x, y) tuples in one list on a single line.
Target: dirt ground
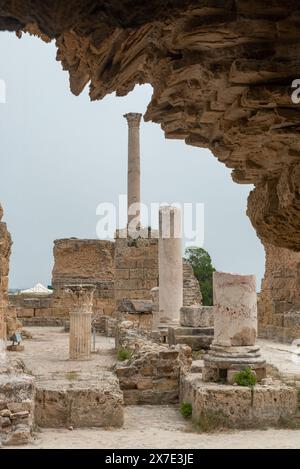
[(161, 427), (145, 426)]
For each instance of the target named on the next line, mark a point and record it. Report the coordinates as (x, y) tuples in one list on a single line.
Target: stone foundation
[(17, 394), (222, 405), (86, 401), (152, 373)]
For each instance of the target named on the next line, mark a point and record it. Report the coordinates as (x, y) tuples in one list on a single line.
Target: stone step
[(79, 400), (196, 342), (191, 331)]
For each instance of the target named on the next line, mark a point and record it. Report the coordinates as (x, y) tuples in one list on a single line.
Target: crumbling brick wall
[(152, 373), (279, 300), (83, 261)]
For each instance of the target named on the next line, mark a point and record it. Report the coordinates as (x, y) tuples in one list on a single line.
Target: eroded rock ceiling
[(221, 72)]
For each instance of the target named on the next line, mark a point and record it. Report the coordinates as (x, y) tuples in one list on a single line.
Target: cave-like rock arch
[(221, 72)]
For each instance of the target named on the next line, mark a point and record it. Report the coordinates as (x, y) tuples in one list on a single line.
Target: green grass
[(124, 354), (245, 378), (186, 410)]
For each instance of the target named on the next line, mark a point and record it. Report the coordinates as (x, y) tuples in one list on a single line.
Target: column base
[(221, 363)]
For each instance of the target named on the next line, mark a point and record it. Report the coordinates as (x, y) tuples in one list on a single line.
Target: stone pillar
[(134, 173), (235, 323), (170, 264), (80, 321)]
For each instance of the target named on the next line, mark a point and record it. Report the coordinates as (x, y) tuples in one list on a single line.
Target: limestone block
[(25, 312), (84, 402), (141, 306), (197, 316), (17, 394), (237, 406), (195, 337)]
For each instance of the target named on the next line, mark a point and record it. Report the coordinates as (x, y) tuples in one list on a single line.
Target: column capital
[(133, 119), (81, 295)]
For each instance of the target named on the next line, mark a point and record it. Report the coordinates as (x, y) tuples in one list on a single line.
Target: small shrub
[(245, 378), (124, 354), (186, 410), (210, 421)]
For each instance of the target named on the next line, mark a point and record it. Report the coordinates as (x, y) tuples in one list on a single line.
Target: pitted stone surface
[(238, 406)]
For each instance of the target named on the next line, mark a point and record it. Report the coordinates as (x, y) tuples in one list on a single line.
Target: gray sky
[(62, 155)]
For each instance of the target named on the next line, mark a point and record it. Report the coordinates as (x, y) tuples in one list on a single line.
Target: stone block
[(139, 306), (84, 402), (196, 337), (197, 316), (238, 406), (24, 312), (17, 406)]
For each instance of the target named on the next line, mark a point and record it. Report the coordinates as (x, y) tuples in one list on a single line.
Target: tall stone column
[(80, 321), (134, 172), (170, 264), (235, 323)]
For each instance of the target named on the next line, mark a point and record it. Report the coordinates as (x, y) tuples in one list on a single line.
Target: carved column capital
[(133, 119)]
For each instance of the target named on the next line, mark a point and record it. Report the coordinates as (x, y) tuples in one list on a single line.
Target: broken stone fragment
[(135, 306)]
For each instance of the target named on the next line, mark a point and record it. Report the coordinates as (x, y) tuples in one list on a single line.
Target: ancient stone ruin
[(222, 74)]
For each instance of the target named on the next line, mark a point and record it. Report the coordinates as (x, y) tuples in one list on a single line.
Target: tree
[(203, 269)]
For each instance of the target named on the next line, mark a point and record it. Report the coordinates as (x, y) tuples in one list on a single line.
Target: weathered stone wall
[(31, 306), (83, 261), (17, 392), (279, 300), (152, 373), (5, 250), (136, 267), (136, 271), (191, 289)]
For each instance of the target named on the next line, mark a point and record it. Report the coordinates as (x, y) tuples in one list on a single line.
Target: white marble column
[(170, 264), (134, 172), (80, 321)]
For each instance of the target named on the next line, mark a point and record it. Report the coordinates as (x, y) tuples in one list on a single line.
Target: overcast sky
[(62, 155)]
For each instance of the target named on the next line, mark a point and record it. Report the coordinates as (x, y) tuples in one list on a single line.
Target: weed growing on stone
[(245, 378), (124, 354), (186, 409)]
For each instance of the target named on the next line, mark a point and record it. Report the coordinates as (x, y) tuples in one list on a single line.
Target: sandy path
[(162, 427)]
